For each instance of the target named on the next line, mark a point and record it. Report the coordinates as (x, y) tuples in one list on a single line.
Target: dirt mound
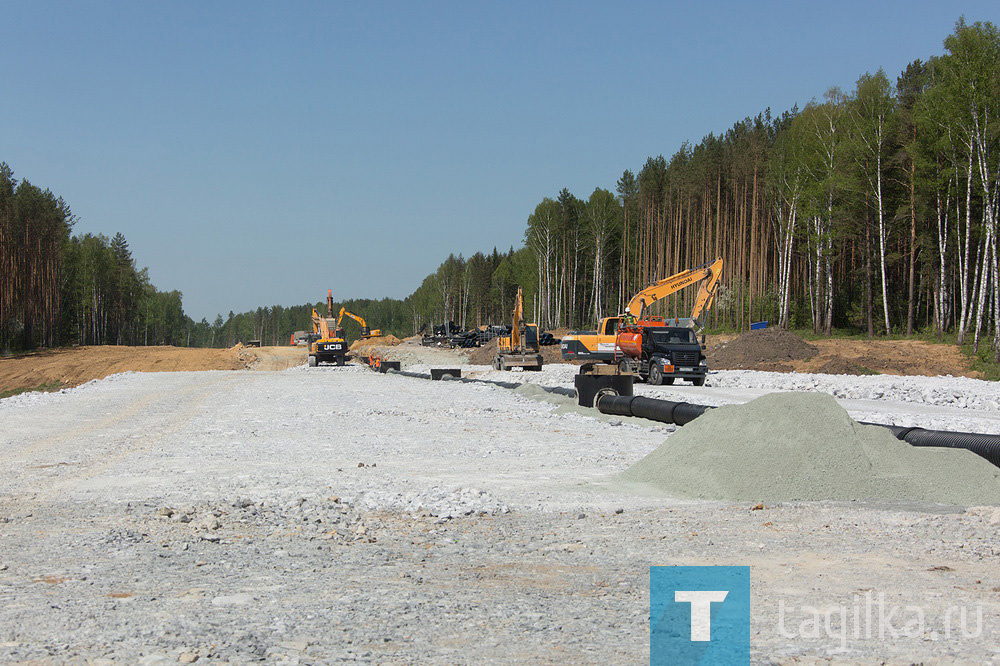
[(551, 354), (383, 341), (767, 349), (483, 355), (73, 366)]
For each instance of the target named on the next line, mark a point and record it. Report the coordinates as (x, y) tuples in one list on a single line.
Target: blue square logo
[(699, 615)]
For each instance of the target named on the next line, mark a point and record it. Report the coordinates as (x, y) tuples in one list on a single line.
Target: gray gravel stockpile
[(804, 446)]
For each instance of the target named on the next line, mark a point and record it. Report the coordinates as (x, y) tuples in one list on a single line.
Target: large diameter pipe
[(681, 413), (986, 446), (618, 405), (664, 411)]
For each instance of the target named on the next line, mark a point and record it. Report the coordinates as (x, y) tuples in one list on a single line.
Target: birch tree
[(871, 114), (602, 224)]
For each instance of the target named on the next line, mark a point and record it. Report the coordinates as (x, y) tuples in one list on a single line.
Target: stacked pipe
[(681, 413)]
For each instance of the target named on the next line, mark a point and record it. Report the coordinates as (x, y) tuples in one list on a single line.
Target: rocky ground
[(334, 514)]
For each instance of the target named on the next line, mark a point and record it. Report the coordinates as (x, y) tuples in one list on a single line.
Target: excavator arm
[(344, 312), (708, 274), (515, 330), (365, 331), (320, 326), (706, 292)]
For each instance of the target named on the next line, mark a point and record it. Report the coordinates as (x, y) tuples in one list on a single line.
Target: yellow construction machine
[(520, 348), (326, 343), (365, 331), (602, 344)]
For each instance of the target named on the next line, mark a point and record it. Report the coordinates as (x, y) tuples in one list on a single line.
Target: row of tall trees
[(469, 292), (57, 289), (873, 209)]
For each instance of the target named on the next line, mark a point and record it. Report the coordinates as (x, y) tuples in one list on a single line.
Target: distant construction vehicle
[(520, 348), (602, 344), (326, 343), (365, 331)]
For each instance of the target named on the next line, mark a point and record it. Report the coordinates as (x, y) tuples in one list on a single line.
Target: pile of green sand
[(804, 446)]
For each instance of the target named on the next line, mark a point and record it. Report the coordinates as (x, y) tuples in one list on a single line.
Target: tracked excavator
[(520, 348), (603, 344), (365, 331), (326, 343)]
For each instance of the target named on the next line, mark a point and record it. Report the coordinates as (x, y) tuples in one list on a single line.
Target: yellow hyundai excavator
[(602, 344), (326, 343), (365, 331), (520, 348)]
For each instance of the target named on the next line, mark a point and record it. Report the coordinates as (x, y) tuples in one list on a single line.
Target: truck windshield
[(677, 336)]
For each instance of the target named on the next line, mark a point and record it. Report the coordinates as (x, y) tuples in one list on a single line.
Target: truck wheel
[(655, 375), (312, 361), (698, 381), (624, 366), (497, 363)]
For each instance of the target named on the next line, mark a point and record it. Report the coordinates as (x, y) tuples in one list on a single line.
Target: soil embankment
[(72, 366), (776, 350)]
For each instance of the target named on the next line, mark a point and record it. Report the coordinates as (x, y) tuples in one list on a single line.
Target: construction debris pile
[(804, 446)]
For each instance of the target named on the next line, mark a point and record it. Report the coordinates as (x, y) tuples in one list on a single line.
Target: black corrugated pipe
[(664, 411), (685, 412), (680, 413), (655, 410), (619, 405), (987, 446)]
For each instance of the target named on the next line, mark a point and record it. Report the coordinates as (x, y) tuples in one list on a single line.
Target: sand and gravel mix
[(804, 446)]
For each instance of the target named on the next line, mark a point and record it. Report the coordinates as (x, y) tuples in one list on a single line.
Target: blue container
[(758, 325)]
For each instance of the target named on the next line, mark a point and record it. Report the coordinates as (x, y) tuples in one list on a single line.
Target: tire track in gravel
[(156, 415)]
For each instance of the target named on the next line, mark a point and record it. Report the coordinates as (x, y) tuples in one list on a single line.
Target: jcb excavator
[(326, 343), (520, 348), (602, 344), (365, 331)]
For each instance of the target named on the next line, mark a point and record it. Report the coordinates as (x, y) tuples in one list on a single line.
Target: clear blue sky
[(259, 153)]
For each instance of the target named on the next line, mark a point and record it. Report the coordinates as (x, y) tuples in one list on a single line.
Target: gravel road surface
[(333, 514)]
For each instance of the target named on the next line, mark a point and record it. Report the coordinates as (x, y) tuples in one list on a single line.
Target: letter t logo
[(701, 610)]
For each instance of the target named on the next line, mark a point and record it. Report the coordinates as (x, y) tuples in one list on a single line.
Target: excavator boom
[(515, 330), (365, 331), (707, 273)]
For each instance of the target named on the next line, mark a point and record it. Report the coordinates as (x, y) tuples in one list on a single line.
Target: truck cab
[(668, 353)]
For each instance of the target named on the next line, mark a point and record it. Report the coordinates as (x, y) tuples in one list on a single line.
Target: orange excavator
[(520, 348), (602, 344), (365, 331)]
